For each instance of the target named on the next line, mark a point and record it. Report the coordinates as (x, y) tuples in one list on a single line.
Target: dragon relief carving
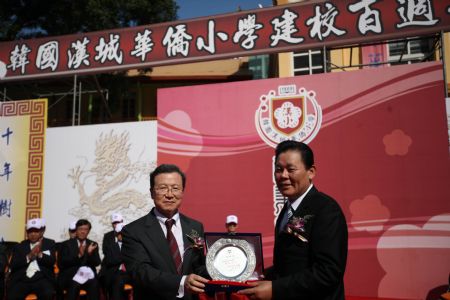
[(105, 187)]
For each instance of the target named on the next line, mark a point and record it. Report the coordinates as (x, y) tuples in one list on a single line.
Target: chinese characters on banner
[(5, 203), (6, 178), (22, 140), (281, 28)]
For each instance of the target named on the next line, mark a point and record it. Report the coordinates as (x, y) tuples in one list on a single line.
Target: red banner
[(276, 29)]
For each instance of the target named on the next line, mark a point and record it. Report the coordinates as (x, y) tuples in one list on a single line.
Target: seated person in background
[(113, 274), (32, 264), (72, 230), (77, 261), (116, 218), (72, 233), (3, 261), (231, 224)]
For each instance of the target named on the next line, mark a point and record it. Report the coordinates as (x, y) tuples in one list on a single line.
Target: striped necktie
[(173, 245)]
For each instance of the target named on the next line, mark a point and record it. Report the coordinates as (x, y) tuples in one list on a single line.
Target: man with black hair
[(158, 248), (77, 261), (311, 238)]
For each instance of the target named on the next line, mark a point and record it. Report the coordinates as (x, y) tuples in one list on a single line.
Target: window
[(259, 65), (410, 51), (308, 62)]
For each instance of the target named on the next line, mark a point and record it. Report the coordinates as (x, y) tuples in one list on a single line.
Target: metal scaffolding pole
[(443, 64), (79, 104), (74, 98)]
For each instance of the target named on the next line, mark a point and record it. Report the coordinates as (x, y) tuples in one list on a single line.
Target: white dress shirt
[(178, 233), (299, 200)]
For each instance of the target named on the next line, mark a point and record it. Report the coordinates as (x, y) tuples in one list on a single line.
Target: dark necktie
[(286, 216), (173, 245)]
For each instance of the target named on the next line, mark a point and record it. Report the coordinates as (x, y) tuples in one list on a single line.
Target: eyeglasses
[(164, 190)]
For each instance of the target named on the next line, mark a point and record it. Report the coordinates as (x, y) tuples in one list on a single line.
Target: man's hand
[(195, 284), (260, 290), (91, 248)]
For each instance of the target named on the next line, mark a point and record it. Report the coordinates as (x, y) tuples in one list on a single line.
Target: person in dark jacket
[(77, 262), (158, 248), (32, 264), (113, 274), (3, 261), (311, 237)]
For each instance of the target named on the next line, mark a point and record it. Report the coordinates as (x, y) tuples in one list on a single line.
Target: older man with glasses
[(158, 249)]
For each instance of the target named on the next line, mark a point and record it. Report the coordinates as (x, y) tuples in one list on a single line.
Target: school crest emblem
[(288, 115)]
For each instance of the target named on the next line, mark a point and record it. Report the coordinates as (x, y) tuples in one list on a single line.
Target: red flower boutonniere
[(296, 227), (197, 241)]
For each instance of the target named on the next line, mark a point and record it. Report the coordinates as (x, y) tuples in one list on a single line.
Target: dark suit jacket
[(19, 264), (148, 258), (3, 261), (313, 269), (112, 259), (69, 262)]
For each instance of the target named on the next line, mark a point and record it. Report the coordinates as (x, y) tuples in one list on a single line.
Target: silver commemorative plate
[(231, 259)]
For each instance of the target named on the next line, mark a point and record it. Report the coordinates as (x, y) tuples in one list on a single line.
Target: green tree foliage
[(36, 18)]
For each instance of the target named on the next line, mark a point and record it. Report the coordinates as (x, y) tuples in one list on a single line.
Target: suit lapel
[(305, 205), (301, 210), (156, 235), (186, 229), (73, 246), (45, 244)]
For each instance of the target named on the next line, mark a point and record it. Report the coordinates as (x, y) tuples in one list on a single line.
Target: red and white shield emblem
[(292, 114), (287, 114)]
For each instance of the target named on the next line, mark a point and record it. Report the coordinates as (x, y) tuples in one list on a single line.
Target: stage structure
[(374, 133)]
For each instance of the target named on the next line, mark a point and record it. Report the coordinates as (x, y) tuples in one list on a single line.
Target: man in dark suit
[(77, 263), (156, 248), (32, 264), (310, 251), (113, 274)]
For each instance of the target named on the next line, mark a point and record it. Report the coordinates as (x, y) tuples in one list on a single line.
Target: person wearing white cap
[(72, 229), (231, 224), (110, 238), (77, 262), (116, 218), (113, 275), (32, 264)]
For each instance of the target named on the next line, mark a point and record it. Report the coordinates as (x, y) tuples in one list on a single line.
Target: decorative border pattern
[(37, 110)]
